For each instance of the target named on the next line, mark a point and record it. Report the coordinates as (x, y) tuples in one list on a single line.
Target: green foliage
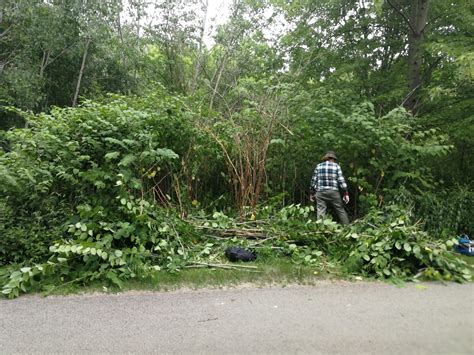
[(385, 244), (42, 47), (28, 237), (390, 246), (94, 192), (145, 240), (377, 154), (84, 158), (447, 212)]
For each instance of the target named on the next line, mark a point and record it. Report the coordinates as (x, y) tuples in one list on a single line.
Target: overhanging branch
[(407, 21)]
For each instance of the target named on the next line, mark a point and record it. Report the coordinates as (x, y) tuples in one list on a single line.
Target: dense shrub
[(144, 239), (378, 154), (447, 211), (102, 191), (89, 158), (389, 244), (28, 237)]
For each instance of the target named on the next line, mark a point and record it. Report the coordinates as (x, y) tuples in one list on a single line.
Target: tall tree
[(81, 71), (416, 24), (175, 34)]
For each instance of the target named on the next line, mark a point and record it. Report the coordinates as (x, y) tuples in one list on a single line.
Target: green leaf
[(135, 183), (378, 4), (407, 247), (111, 155), (167, 153), (127, 160), (277, 141)]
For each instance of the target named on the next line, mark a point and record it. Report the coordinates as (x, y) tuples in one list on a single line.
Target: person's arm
[(314, 185), (342, 184)]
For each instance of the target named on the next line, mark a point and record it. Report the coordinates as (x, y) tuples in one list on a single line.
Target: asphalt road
[(330, 317)]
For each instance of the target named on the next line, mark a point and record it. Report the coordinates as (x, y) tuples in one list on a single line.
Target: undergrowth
[(111, 191), (385, 244)]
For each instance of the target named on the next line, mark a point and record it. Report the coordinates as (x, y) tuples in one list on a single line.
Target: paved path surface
[(330, 317)]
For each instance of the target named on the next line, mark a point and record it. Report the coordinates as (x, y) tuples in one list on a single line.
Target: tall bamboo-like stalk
[(81, 72)]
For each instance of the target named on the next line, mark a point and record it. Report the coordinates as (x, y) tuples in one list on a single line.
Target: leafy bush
[(141, 239), (136, 239), (28, 237), (377, 154), (86, 156), (447, 212), (86, 194), (390, 245)]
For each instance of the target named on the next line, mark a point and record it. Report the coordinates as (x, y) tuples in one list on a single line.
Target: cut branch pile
[(251, 233)]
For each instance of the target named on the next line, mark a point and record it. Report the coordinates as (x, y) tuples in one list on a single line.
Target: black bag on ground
[(239, 254)]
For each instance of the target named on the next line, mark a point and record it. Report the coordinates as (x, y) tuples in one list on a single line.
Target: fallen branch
[(232, 232), (221, 266), (265, 240)]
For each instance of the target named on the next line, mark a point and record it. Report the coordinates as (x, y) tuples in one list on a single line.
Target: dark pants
[(331, 198)]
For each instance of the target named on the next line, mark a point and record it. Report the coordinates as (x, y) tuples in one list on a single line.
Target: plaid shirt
[(328, 176)]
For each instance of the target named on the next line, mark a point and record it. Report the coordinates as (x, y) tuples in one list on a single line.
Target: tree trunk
[(197, 67), (418, 20), (81, 72), (216, 85), (44, 62)]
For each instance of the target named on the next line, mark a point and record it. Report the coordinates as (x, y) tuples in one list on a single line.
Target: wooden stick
[(225, 265)]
